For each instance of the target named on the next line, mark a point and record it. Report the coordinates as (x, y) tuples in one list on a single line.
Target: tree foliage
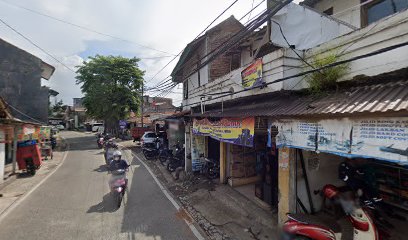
[(57, 110), (111, 87)]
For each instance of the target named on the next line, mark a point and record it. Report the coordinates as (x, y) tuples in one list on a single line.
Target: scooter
[(118, 185), (357, 225)]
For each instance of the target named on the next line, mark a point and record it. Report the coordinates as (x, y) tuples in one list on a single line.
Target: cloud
[(160, 24)]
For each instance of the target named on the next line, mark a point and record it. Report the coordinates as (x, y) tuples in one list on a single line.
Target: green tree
[(111, 86), (57, 110)]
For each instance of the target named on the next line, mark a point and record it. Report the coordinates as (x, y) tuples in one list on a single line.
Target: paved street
[(74, 203)]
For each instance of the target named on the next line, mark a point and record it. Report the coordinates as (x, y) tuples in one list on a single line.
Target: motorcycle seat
[(321, 221)]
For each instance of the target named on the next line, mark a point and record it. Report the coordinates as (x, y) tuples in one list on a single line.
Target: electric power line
[(22, 113), (237, 37), (225, 42), (205, 29), (37, 46), (84, 28), (374, 53)]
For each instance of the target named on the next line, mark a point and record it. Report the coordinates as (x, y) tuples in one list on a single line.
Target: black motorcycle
[(176, 161), (211, 169), (151, 150), (165, 154)]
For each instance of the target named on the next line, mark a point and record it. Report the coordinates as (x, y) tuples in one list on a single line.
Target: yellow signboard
[(252, 75), (238, 131)]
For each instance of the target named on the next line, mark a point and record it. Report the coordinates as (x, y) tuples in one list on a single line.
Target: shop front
[(367, 156), (239, 146)]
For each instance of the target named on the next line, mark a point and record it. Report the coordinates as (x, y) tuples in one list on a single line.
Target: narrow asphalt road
[(74, 203)]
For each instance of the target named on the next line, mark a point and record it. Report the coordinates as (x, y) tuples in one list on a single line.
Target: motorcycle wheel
[(147, 155), (211, 173), (30, 168), (170, 167), (163, 160), (119, 199)]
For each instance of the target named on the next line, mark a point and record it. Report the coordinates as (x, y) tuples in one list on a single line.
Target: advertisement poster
[(385, 138), (239, 131), (197, 149), (27, 132), (334, 136), (252, 75), (380, 138), (295, 133)]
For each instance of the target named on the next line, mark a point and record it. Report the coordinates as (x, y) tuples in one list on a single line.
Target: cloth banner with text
[(239, 131), (252, 75), (380, 138)]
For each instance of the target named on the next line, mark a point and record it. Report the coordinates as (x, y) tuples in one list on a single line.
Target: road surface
[(74, 203)]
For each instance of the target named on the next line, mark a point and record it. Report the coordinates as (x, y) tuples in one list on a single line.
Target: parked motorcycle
[(118, 185), (100, 142), (176, 161), (211, 168), (166, 154), (356, 223), (151, 150)]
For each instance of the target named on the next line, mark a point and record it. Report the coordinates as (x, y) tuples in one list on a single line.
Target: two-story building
[(323, 83)]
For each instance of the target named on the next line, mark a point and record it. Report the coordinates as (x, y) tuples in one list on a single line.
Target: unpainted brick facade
[(205, 44)]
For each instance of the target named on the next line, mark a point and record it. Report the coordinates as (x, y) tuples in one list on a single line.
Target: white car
[(148, 137), (96, 126), (60, 127)]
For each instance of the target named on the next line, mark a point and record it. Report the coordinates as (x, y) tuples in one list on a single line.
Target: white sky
[(161, 24)]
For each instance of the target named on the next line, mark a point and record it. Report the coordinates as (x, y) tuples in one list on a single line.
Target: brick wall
[(217, 36)]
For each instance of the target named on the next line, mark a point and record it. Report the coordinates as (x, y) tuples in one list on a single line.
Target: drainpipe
[(14, 163)]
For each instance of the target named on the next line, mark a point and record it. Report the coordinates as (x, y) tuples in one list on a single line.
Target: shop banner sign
[(252, 75), (333, 136), (380, 138), (197, 149), (386, 138), (239, 131), (27, 132), (295, 133)]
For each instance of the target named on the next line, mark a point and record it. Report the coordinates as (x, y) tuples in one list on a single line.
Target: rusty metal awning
[(391, 97)]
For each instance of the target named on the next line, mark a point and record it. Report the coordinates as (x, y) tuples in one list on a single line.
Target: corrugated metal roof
[(379, 98)]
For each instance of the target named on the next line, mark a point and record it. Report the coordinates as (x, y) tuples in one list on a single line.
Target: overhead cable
[(86, 28), (37, 46)]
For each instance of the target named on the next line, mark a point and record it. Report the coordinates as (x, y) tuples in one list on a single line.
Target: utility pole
[(141, 117)]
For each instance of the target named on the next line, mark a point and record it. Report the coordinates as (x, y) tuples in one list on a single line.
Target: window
[(185, 89), (235, 61), (150, 135), (328, 11), (379, 9)]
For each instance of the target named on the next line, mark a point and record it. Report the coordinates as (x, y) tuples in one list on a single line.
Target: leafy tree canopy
[(111, 87)]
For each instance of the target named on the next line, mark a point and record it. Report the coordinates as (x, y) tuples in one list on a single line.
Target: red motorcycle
[(356, 223)]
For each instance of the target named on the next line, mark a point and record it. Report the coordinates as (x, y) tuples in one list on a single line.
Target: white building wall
[(345, 10), (326, 172), (389, 31), (284, 63)]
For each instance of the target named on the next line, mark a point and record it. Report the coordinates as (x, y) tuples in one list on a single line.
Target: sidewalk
[(221, 211), (21, 183)]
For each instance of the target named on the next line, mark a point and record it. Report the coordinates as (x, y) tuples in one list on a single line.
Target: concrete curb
[(26, 194), (170, 197)]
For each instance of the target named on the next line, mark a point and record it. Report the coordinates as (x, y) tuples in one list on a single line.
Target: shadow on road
[(101, 168), (107, 205), (82, 143)]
